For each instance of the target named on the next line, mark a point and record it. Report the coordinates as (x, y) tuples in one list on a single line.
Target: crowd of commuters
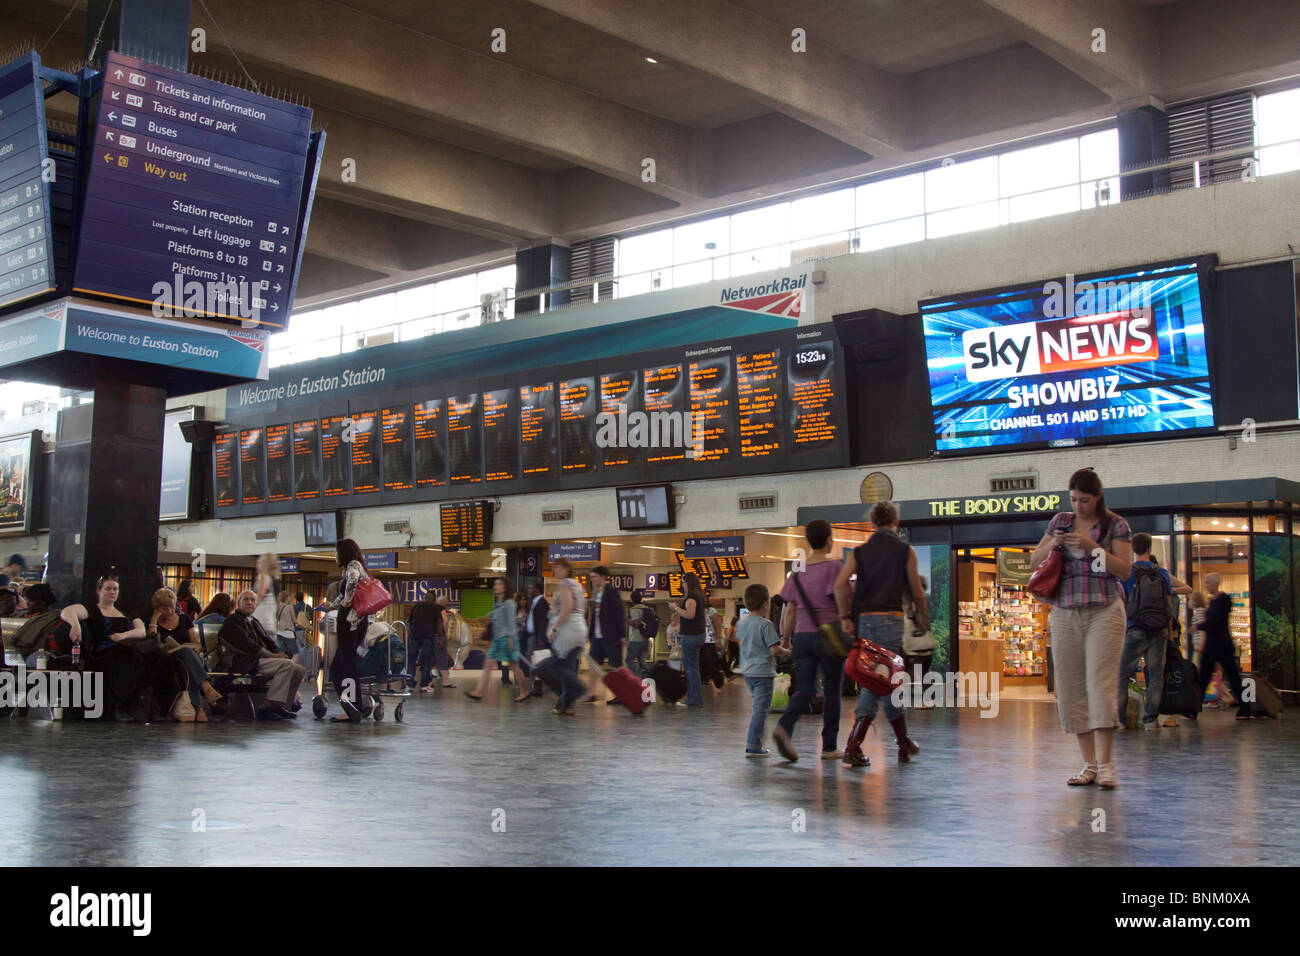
[(1113, 606)]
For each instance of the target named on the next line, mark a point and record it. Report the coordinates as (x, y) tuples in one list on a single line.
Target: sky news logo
[(1059, 345)]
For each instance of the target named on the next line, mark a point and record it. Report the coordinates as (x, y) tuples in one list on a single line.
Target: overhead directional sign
[(26, 251), (193, 181)]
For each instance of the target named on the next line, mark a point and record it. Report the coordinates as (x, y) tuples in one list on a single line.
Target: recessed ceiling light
[(651, 59)]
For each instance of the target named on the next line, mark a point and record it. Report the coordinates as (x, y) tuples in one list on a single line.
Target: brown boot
[(906, 745), (853, 755)]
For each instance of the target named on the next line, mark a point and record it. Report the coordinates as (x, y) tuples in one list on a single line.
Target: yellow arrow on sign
[(108, 157)]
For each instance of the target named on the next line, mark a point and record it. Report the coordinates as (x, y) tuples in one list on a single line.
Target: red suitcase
[(627, 688)]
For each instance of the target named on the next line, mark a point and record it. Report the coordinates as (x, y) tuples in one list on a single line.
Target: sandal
[(472, 696), (520, 700), (1085, 777), (1106, 776), (449, 686)]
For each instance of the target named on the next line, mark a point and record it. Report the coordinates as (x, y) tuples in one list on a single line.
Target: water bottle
[(42, 660), (76, 656)]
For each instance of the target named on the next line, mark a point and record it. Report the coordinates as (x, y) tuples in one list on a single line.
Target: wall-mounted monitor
[(1076, 360), (320, 529), (466, 525), (733, 567), (645, 507)]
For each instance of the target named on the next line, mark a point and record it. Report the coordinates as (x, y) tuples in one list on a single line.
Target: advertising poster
[(1069, 361), (15, 483)]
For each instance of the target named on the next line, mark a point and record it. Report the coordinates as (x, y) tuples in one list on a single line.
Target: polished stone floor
[(499, 783)]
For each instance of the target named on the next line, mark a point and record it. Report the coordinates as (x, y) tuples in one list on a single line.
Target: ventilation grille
[(588, 260), (397, 527), (557, 516), (1208, 127), (1014, 483), (758, 502), (266, 534)]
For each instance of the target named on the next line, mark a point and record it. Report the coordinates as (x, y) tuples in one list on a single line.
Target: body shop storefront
[(974, 552)]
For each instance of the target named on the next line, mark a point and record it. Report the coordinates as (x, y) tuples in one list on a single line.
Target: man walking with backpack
[(643, 625), (1149, 594)]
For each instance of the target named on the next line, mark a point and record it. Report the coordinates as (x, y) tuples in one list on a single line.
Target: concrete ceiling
[(464, 155)]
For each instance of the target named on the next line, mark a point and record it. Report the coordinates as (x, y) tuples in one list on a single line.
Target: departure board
[(665, 404), (713, 408), (620, 401), (396, 438), (700, 566), (733, 567), (365, 452), (577, 425), (813, 403), (464, 439), (537, 430), (770, 403), (224, 462), (500, 435), (676, 588), (335, 454), (758, 399), (252, 456), (466, 525), (279, 483), (431, 444), (306, 472)]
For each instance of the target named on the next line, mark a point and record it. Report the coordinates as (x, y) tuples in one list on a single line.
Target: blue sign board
[(26, 249), (574, 551), (288, 565), (621, 582), (726, 547), (193, 181), (413, 590), (381, 560)]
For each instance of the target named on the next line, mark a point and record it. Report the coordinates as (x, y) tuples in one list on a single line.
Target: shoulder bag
[(834, 641), (370, 596), (1046, 579)]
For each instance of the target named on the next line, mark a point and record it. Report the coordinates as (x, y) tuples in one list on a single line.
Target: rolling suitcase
[(309, 658), (626, 686), (670, 685), (1267, 702)]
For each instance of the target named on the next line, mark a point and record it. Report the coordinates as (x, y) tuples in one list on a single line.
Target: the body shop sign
[(993, 506)]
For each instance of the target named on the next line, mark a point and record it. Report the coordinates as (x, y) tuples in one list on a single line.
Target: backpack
[(1147, 604), (649, 623)]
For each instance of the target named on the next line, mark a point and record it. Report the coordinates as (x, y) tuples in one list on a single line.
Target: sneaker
[(832, 754), (270, 713), (762, 752), (287, 714), (680, 703), (782, 740), (1154, 725)]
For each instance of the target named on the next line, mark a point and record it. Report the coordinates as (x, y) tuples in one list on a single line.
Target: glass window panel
[(758, 228), (692, 274), (1050, 202), (1270, 524), (891, 199), (692, 243), (760, 260), (1277, 117), (1279, 159), (456, 294), (633, 285), (1101, 192), (1099, 154), (821, 218), (1038, 167), (1219, 524), (414, 303), (962, 184), (891, 234), (966, 219), (652, 250)]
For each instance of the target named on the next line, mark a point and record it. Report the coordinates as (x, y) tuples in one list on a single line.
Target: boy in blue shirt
[(759, 645), (1146, 639)]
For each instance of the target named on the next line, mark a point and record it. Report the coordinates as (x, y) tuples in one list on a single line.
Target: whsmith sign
[(982, 507)]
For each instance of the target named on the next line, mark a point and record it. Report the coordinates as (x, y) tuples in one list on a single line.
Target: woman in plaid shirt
[(1088, 621)]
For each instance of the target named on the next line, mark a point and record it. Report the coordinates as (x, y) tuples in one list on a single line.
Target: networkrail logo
[(784, 296)]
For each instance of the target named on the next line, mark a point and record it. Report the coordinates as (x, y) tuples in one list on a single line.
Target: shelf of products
[(1008, 613)]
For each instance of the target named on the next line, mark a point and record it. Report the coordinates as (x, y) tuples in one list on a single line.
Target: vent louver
[(758, 503), (1014, 483), (557, 516)]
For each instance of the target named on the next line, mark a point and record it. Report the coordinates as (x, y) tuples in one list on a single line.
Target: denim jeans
[(887, 631), (636, 651), (565, 673), (1139, 642), (691, 644), (808, 659), (421, 656), (760, 689)]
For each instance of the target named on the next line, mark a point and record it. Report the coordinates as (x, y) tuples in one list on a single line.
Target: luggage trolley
[(376, 687)]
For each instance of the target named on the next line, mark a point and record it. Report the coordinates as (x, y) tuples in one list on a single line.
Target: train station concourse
[(577, 433)]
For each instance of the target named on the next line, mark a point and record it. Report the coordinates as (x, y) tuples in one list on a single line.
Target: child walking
[(759, 645)]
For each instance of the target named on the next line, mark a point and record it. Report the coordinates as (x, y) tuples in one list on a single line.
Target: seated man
[(247, 649)]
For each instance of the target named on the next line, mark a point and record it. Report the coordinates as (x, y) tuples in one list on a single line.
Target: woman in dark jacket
[(350, 629)]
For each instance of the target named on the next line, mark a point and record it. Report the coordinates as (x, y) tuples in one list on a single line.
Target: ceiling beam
[(842, 97), (1064, 30)]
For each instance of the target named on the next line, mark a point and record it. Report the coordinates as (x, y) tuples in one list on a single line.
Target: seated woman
[(208, 625), (41, 620), (109, 635), (181, 641)]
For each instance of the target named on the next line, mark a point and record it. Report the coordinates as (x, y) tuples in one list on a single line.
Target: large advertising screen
[(177, 461), (1070, 361), (16, 483)]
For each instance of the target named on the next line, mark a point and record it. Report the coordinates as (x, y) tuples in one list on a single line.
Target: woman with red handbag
[(1088, 619), (886, 570), (350, 629)]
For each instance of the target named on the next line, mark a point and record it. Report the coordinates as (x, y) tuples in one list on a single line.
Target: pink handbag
[(370, 596)]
